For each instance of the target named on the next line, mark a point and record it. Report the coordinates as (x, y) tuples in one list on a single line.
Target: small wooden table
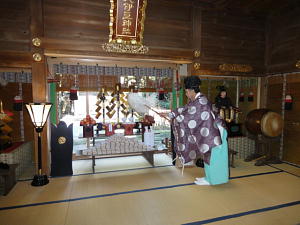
[(9, 176)]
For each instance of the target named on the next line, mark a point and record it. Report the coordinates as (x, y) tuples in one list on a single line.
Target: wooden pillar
[(174, 91), (268, 43), (264, 92), (52, 97), (39, 72)]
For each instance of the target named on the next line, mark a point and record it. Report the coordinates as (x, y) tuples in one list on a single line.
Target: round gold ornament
[(37, 57), (36, 42), (197, 53), (61, 140), (197, 66)]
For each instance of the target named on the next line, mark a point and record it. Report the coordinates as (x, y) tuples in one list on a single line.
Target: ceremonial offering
[(88, 126), (149, 137), (5, 129), (109, 129), (148, 120), (88, 120), (128, 128)]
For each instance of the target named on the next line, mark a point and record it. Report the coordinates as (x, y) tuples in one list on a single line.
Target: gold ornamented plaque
[(197, 66), (298, 64), (235, 67), (197, 53), (37, 57), (61, 140), (36, 42), (126, 27)]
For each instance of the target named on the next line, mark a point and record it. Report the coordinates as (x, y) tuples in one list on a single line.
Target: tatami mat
[(186, 204), (39, 215), (152, 196), (112, 182), (288, 168), (288, 215)]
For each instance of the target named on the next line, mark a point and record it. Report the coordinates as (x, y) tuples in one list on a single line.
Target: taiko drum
[(265, 122)]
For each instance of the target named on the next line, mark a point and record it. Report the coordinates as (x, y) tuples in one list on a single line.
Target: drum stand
[(263, 151)]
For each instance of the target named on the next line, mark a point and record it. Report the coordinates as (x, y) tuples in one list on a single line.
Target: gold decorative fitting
[(1, 108), (37, 57), (36, 42), (61, 140), (197, 66), (235, 67), (125, 48), (197, 53), (298, 64)]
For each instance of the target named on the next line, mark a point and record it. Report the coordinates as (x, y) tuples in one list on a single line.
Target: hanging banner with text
[(126, 27)]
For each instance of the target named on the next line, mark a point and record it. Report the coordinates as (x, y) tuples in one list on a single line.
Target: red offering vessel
[(128, 128), (109, 129)]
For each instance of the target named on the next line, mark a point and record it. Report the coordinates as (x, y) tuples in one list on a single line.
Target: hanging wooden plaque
[(126, 26)]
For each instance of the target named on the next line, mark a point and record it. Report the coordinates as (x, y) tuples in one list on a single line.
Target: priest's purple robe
[(195, 128)]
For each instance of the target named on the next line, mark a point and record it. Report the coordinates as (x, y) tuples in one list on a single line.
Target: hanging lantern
[(160, 87), (242, 97), (288, 102), (250, 96), (18, 103), (74, 89), (73, 94), (161, 94)]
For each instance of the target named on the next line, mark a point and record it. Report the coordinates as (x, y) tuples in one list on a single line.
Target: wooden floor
[(161, 195)]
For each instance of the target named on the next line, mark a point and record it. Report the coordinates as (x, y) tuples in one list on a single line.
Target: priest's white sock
[(201, 181)]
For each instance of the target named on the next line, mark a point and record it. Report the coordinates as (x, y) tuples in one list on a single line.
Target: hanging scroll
[(126, 27)]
